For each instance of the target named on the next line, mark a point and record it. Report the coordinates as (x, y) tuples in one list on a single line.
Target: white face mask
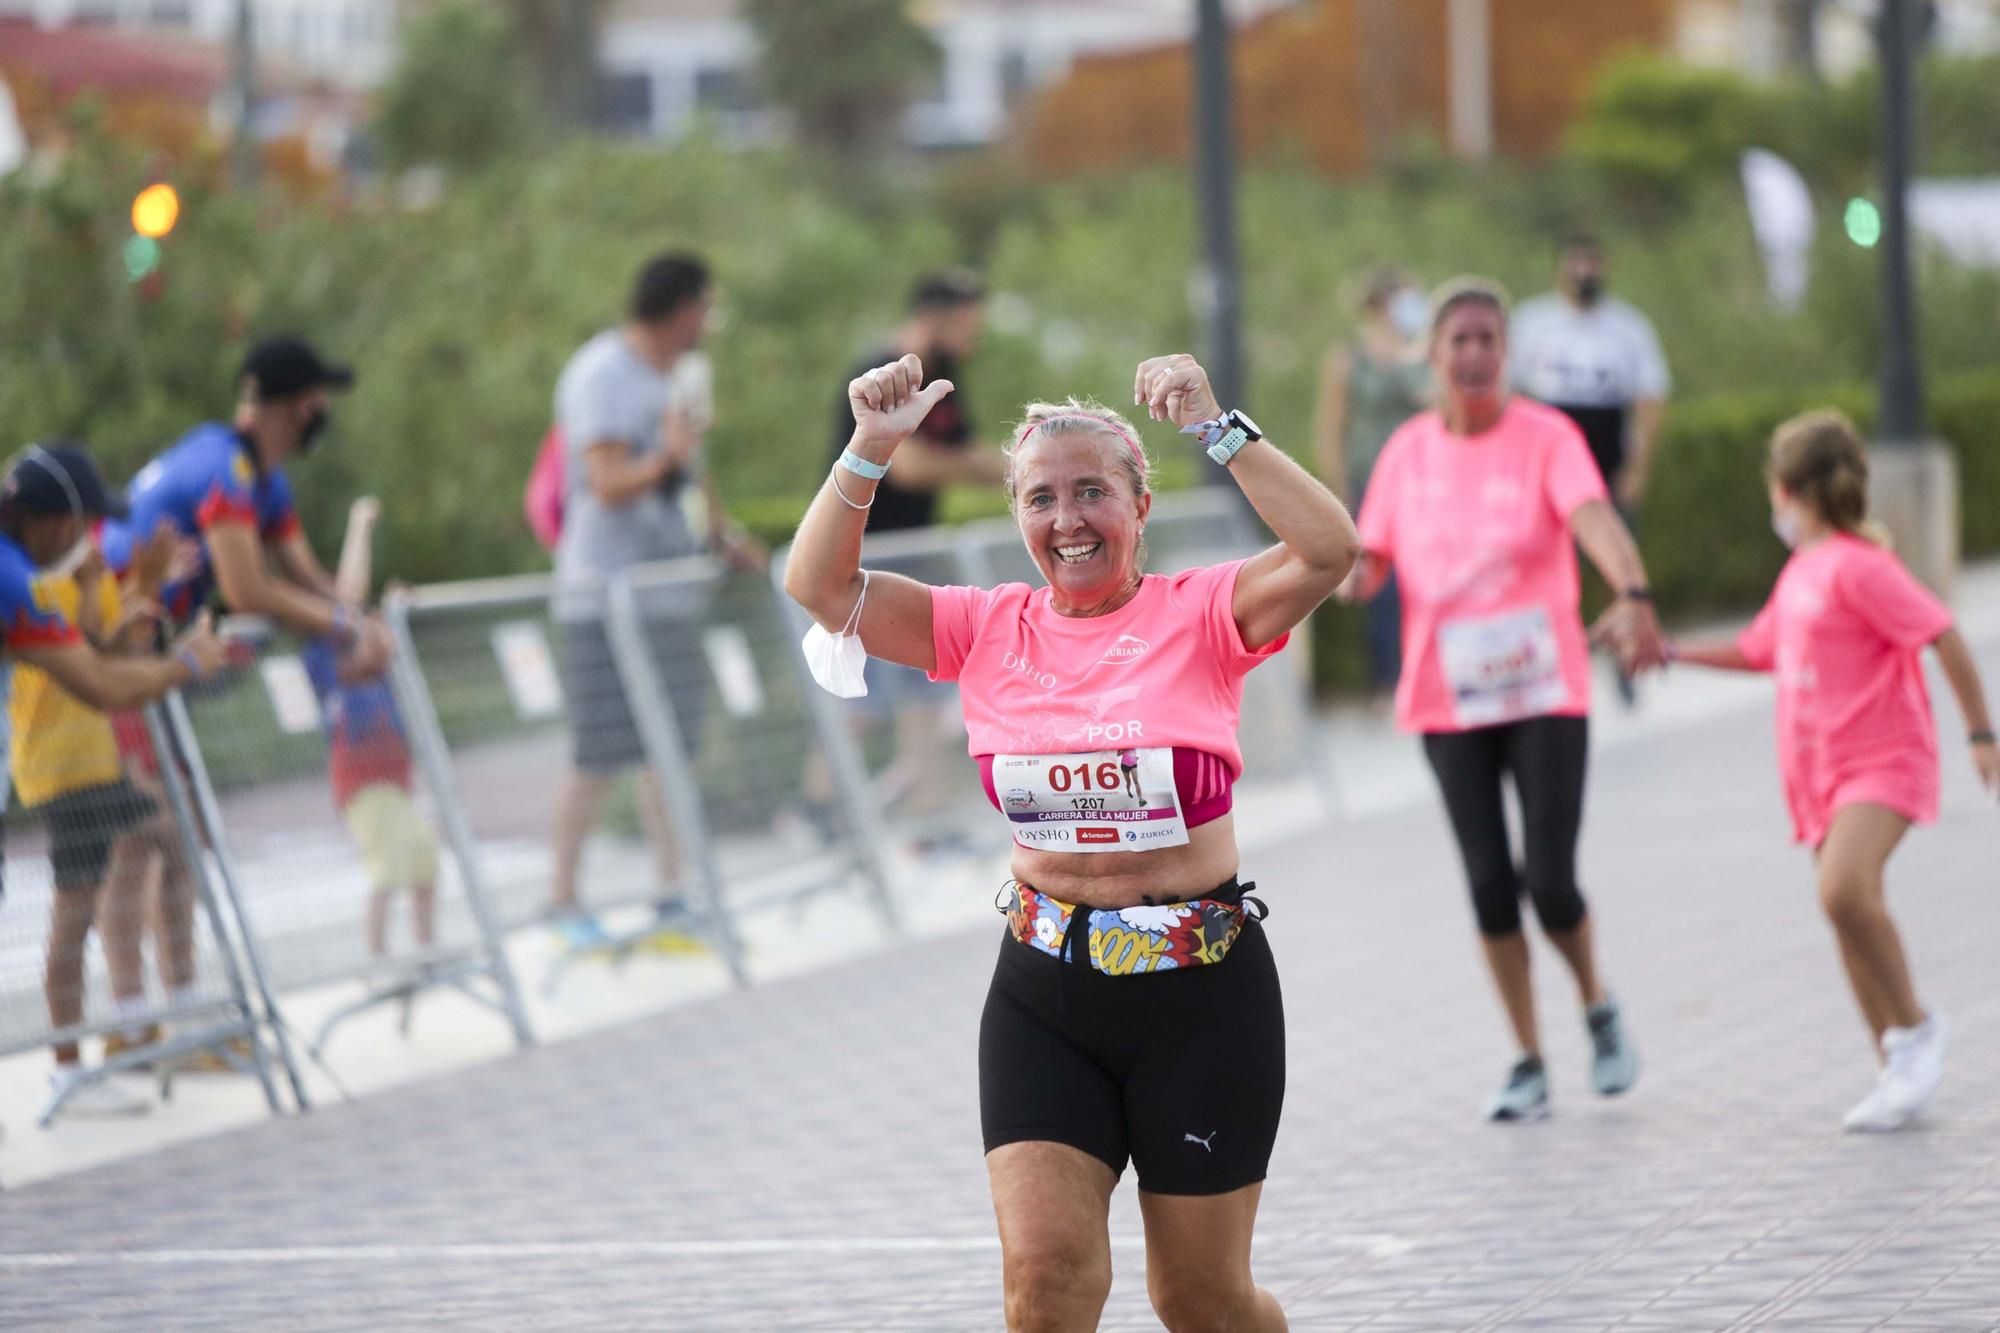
[(838, 661), (1409, 312), (1786, 524)]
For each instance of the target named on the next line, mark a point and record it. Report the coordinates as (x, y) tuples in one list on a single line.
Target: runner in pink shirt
[(1477, 507), (1102, 709), (1857, 743)]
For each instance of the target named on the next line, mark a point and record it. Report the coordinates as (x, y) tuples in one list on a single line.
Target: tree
[(455, 95), (559, 37), (844, 69)]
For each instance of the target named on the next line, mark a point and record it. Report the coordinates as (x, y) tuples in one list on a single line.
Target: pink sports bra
[(1202, 779)]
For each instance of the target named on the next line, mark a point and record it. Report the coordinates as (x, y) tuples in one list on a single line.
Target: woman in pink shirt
[(1857, 744), (1478, 507), (1134, 1012)]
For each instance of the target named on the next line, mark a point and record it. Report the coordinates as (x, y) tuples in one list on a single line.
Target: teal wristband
[(861, 467)]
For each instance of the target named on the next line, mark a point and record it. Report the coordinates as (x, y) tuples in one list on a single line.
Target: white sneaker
[(1912, 1068), (100, 1098)]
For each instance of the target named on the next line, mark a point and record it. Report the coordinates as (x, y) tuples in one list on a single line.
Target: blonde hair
[(1819, 458), (1079, 416)]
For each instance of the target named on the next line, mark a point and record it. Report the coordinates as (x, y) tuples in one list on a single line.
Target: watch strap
[(1227, 447)]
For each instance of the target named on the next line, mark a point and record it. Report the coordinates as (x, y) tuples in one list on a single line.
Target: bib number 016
[(1107, 776)]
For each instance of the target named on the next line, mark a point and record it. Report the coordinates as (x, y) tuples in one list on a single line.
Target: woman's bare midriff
[(1134, 879)]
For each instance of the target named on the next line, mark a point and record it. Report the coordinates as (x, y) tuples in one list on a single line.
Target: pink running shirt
[(1165, 669), (1842, 633), (1477, 527)]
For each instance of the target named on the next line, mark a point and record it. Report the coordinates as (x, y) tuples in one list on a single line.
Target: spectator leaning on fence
[(368, 758), (64, 759), (633, 455), (223, 488)]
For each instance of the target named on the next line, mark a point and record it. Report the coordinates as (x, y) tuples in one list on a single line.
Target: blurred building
[(161, 68), (1766, 37), (671, 63), (347, 43), (1352, 82)]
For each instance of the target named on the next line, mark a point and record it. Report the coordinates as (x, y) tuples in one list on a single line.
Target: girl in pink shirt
[(1102, 710), (1478, 507), (1857, 743)]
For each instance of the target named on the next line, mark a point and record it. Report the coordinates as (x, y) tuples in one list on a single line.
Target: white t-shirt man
[(1593, 362)]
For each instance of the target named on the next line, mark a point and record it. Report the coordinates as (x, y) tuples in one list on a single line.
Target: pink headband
[(1112, 426)]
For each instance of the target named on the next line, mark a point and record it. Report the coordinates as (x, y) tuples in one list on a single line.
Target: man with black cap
[(223, 488), (65, 760)]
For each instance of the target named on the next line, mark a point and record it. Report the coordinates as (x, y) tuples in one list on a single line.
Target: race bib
[(1502, 668), (1105, 801)]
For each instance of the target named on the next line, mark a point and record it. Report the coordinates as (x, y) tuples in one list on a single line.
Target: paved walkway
[(805, 1154)]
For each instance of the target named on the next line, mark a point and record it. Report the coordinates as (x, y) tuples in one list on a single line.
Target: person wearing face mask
[(1596, 359), (1479, 507), (1857, 740), (1370, 383), (77, 654), (1132, 954), (222, 487)]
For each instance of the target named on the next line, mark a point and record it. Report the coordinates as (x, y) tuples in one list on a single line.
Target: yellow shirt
[(60, 744)]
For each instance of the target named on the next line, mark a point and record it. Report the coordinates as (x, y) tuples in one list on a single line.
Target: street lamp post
[(1218, 280), (1913, 478), (1902, 409), (243, 91)]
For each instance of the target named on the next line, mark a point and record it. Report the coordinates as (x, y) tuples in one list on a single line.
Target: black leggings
[(1547, 756)]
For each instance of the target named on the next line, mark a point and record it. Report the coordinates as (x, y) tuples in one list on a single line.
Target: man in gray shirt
[(633, 458)]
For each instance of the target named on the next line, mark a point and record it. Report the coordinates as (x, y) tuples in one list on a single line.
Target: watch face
[(1243, 419)]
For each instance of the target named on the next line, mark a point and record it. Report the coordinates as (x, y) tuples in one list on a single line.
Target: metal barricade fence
[(104, 867), (305, 783), (740, 741), (907, 733), (528, 711)]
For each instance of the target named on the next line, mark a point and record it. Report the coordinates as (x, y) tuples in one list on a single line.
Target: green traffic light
[(142, 256), (1864, 223)]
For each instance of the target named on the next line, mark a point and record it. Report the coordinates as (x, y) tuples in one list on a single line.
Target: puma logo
[(1206, 1144)]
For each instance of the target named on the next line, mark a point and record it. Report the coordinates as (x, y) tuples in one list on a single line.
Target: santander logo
[(1129, 648)]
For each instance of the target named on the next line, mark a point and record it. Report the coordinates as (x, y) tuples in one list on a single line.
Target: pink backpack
[(542, 501)]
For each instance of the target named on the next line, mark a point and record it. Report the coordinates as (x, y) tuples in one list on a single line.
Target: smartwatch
[(1225, 435)]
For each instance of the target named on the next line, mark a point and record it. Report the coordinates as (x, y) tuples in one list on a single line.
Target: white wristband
[(861, 467)]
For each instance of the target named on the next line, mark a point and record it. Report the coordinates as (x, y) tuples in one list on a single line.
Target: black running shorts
[(1182, 1071)]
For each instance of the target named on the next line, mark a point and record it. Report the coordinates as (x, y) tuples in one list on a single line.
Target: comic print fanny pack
[(1128, 941)]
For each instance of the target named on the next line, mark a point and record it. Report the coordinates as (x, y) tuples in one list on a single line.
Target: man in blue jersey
[(223, 488)]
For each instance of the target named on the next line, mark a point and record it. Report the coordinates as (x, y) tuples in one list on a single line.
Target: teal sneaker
[(1525, 1095), (579, 931), (1614, 1063)]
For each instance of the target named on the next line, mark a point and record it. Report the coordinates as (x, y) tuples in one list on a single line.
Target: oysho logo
[(1016, 662), (1129, 648)]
